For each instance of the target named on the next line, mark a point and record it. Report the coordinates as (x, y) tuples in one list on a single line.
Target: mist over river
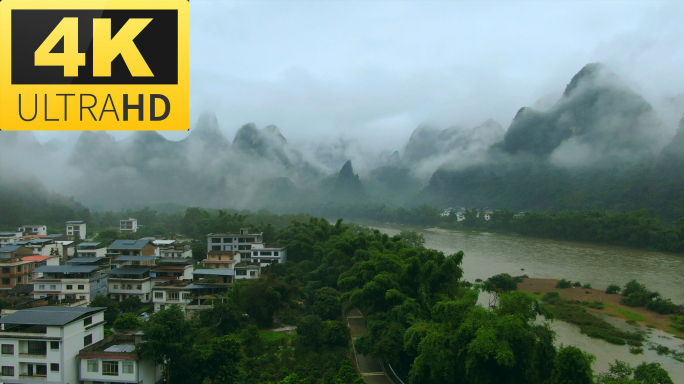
[(488, 254)]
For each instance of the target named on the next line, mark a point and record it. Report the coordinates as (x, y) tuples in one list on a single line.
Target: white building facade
[(41, 344)]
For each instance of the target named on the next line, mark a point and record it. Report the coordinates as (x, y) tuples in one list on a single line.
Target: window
[(53, 287), (8, 349), (5, 270), (5, 281), (8, 371), (54, 345), (88, 320), (70, 287), (37, 347), (18, 268), (41, 287), (227, 240), (127, 367), (93, 366), (139, 287), (252, 273), (81, 287), (186, 295), (266, 253), (41, 369), (215, 239), (255, 253), (110, 368), (275, 253), (215, 247), (241, 272), (88, 340), (54, 367), (116, 286), (159, 295), (81, 298), (173, 296)]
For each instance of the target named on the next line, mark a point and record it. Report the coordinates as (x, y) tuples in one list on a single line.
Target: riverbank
[(611, 304)]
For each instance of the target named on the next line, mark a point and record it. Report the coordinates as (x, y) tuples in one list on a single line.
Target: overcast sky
[(374, 70)]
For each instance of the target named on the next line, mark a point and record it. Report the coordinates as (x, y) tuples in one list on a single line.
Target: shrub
[(127, 321), (562, 283), (636, 351), (576, 284), (586, 286), (613, 288), (662, 306), (677, 322)]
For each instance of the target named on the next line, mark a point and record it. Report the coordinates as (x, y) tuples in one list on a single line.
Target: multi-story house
[(134, 261), (69, 282), (169, 248), (15, 271), (248, 244), (14, 251), (115, 360), (172, 292), (41, 344), (129, 281), (247, 270), (76, 230), (40, 246), (267, 256), (171, 269), (102, 263), (31, 229), (9, 237), (132, 248), (91, 250), (129, 225)]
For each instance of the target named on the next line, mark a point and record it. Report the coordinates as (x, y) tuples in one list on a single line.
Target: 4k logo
[(94, 65)]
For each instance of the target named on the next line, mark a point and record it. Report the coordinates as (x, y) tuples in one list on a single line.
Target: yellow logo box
[(94, 65)]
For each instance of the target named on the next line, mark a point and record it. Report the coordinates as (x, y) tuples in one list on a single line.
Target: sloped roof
[(55, 316), (10, 248), (214, 272), (65, 269), (36, 258), (128, 244), (85, 260), (128, 271), (136, 258)]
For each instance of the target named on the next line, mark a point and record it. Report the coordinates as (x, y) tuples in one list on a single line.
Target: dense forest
[(423, 319)]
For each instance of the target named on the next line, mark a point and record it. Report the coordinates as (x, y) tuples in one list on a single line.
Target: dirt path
[(370, 369), (612, 304)]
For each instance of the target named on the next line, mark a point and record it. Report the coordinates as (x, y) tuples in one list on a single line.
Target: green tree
[(347, 375), (327, 303), (309, 329), (112, 311), (572, 366), (131, 304), (169, 339), (126, 322), (651, 373), (413, 239), (251, 341), (223, 361), (224, 318)]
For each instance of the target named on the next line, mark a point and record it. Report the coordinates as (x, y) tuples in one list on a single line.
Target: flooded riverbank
[(488, 254)]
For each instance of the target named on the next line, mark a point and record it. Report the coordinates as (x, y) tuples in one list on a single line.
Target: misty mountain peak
[(273, 132), (347, 171), (593, 74), (207, 122)]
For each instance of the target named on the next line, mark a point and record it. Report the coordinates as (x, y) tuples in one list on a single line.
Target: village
[(51, 334)]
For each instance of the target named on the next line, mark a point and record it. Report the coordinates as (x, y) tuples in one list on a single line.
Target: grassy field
[(629, 315), (272, 336)]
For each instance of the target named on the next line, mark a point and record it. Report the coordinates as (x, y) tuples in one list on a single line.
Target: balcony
[(34, 377)]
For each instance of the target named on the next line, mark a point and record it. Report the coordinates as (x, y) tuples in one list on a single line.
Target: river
[(488, 254)]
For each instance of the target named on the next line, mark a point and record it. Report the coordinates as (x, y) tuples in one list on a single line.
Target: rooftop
[(36, 258), (136, 258), (214, 272), (54, 316), (86, 260), (65, 269), (76, 222), (116, 346), (8, 233), (10, 248), (88, 245), (163, 242), (129, 244), (128, 271), (32, 225)]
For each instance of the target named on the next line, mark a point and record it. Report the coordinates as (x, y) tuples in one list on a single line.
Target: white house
[(42, 247), (129, 281), (69, 282), (171, 269), (169, 248), (9, 237), (171, 293), (33, 229), (250, 245), (91, 250), (114, 360), (76, 230), (40, 344), (129, 225)]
